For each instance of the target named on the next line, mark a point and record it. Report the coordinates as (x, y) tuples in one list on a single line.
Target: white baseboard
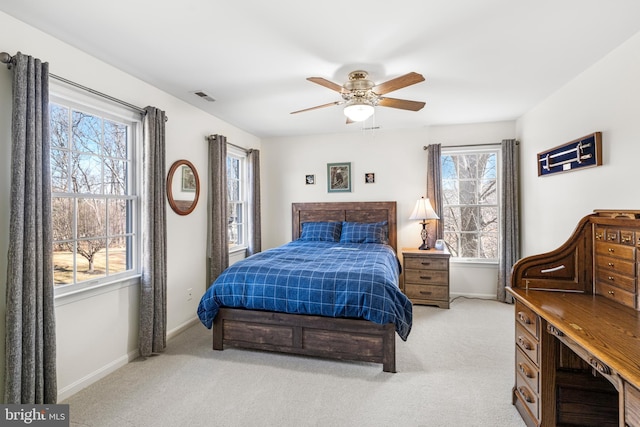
[(102, 372), (96, 375), (181, 328)]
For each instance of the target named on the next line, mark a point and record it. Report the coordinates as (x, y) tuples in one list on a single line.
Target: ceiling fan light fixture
[(358, 111)]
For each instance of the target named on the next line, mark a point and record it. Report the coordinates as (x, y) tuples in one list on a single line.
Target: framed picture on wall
[(369, 178), (310, 179), (339, 177), (188, 179)]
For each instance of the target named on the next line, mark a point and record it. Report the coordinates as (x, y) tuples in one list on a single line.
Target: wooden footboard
[(333, 338)]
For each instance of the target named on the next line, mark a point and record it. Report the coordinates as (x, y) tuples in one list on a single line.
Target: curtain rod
[(7, 59), (493, 144), (246, 150)]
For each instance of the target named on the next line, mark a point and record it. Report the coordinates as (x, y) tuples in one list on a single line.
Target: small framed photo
[(339, 177), (309, 179), (188, 179), (369, 178)]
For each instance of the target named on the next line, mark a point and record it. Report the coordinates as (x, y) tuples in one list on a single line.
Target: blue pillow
[(321, 231), (364, 232)]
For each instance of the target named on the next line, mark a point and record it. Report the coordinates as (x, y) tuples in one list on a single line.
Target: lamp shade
[(423, 210), (358, 111)]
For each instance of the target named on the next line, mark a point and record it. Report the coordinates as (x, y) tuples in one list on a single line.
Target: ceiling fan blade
[(326, 83), (318, 106), (403, 104), (398, 83)]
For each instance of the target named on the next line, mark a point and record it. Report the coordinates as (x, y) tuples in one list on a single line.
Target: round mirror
[(183, 187)]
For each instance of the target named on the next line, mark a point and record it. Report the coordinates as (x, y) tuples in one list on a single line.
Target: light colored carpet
[(456, 369)]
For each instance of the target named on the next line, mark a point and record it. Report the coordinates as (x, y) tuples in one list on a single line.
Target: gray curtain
[(217, 223), (434, 191), (152, 336), (510, 217), (254, 229), (30, 365)]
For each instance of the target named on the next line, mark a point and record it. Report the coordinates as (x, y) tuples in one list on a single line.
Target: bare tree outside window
[(470, 204), (92, 200)]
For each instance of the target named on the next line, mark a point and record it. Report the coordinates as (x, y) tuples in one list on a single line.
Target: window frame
[(241, 155), (74, 98), (479, 149)]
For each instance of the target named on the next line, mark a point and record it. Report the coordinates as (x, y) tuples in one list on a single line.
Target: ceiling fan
[(360, 95)]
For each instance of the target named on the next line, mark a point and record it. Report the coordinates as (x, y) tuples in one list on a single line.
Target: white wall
[(399, 162), (97, 332), (606, 98)]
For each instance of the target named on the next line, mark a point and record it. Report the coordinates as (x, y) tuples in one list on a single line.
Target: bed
[(361, 328)]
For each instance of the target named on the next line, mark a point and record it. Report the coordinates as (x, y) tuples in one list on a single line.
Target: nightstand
[(426, 276)]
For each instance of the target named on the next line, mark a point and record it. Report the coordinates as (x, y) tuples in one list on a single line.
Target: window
[(236, 194), (470, 203), (94, 195)]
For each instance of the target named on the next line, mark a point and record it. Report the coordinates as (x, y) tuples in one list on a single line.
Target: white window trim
[(70, 96), (234, 151)]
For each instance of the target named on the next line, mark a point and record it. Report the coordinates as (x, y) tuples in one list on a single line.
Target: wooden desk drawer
[(527, 343), (526, 395), (427, 277), (616, 294), (618, 265), (627, 237), (615, 250), (414, 291), (528, 371), (618, 280), (631, 405), (527, 318), (424, 263)]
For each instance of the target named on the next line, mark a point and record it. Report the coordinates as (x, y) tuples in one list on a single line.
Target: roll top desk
[(577, 328)]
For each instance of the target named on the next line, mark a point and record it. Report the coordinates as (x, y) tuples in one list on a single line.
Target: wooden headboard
[(346, 211)]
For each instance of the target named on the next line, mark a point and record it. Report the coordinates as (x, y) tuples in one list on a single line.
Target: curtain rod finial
[(5, 58)]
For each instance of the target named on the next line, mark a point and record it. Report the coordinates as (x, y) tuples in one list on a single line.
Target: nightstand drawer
[(425, 263), (426, 277), (426, 291)]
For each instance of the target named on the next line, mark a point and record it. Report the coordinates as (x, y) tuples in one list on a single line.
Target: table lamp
[(423, 212)]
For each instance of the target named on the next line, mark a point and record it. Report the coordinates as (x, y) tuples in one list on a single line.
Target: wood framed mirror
[(183, 187)]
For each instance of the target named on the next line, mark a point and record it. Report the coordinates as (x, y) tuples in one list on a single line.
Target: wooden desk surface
[(609, 331)]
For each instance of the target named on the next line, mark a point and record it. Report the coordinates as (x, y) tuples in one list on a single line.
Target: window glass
[(236, 185), (470, 203), (94, 195)]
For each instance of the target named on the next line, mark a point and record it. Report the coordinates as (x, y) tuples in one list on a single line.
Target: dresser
[(426, 276), (577, 327)]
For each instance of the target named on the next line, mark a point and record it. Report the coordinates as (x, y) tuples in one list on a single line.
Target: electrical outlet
[(189, 294)]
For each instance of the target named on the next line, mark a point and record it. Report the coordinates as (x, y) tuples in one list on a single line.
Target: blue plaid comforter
[(319, 278)]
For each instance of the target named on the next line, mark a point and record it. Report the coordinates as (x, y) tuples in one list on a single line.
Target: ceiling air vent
[(203, 95)]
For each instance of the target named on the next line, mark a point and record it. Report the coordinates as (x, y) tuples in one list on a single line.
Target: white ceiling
[(486, 60)]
